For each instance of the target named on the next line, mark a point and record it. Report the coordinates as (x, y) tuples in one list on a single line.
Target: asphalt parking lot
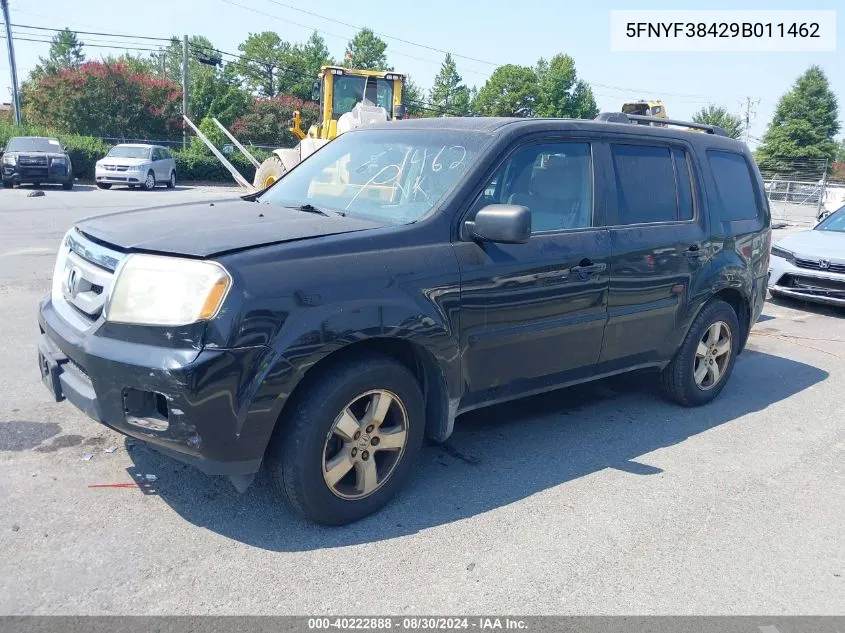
[(600, 499)]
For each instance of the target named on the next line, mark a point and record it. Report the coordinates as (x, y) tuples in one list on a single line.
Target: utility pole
[(184, 90), (11, 48), (750, 114)]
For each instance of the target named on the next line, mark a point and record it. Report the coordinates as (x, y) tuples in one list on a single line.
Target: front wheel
[(171, 184), (347, 443), (705, 360), (104, 185), (150, 181), (67, 186), (8, 184)]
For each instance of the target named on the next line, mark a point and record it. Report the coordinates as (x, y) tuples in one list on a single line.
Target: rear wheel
[(705, 360), (346, 444), (8, 184), (67, 186), (171, 184), (150, 181), (104, 185), (269, 172)]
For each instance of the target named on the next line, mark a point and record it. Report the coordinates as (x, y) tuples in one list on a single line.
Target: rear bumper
[(195, 406)]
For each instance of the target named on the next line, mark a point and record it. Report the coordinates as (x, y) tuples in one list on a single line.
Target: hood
[(204, 229), (122, 160), (816, 244)]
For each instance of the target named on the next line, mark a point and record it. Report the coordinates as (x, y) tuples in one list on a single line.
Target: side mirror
[(504, 223), (315, 91)]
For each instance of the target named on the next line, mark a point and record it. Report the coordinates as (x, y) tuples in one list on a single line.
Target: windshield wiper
[(310, 208)]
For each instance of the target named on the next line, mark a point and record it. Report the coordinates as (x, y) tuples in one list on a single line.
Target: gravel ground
[(601, 499)]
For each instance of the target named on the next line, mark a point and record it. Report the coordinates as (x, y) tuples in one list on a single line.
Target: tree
[(840, 151), (266, 122), (560, 92), (101, 99), (205, 82), (303, 65), (510, 91), (804, 124), (135, 64), (414, 99), (717, 115), (366, 51), (264, 56), (449, 95), (65, 52)]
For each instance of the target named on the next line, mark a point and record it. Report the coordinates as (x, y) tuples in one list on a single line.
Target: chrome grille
[(116, 167), (82, 278), (811, 264)]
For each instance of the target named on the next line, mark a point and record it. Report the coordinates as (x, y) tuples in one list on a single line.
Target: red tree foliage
[(268, 120), (102, 99)]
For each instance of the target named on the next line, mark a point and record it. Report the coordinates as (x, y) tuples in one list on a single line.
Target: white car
[(810, 265), (136, 165)]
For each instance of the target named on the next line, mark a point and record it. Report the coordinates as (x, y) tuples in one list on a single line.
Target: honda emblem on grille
[(824, 264), (72, 278)]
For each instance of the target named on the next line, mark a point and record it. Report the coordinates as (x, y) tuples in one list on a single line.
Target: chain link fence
[(800, 191)]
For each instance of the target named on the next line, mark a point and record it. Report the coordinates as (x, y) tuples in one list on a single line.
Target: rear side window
[(736, 199), (645, 184)]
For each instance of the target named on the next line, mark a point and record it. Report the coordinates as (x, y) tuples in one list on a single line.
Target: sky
[(481, 35)]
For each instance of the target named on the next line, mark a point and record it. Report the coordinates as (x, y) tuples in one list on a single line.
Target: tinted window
[(645, 184), (683, 175), (553, 180), (736, 199), (33, 144)]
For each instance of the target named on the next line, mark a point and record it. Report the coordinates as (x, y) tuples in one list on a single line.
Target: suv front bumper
[(196, 406)]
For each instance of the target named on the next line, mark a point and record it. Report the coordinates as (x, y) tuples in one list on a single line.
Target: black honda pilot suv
[(401, 275)]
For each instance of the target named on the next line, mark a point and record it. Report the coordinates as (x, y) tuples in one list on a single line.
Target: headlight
[(10, 159), (158, 290), (59, 160), (137, 167), (783, 254)]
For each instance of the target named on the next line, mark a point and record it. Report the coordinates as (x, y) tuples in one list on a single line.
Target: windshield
[(350, 90), (33, 144), (127, 151), (834, 222), (393, 176)]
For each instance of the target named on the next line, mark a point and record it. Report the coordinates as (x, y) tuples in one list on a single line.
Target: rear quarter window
[(736, 198)]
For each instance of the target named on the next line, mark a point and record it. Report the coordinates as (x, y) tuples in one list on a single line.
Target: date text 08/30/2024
[(416, 623)]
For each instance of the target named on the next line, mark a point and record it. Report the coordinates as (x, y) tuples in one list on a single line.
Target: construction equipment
[(645, 108), (348, 98)]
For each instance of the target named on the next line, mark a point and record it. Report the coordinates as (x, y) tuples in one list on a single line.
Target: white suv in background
[(136, 164)]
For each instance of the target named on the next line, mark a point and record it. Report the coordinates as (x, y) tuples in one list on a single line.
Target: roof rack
[(621, 117)]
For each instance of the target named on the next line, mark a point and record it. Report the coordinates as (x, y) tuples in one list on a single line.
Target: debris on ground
[(110, 449), (16, 527), (471, 566), (87, 457), (35, 194)]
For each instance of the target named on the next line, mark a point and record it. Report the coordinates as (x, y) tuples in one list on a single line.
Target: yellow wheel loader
[(348, 98), (645, 108)]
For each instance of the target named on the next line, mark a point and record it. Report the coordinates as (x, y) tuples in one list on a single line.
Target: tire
[(269, 172), (171, 184), (104, 185), (679, 379), (8, 184), (305, 442), (150, 181), (67, 186)]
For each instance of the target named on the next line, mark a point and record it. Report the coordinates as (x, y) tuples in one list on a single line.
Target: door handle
[(694, 251), (587, 266)]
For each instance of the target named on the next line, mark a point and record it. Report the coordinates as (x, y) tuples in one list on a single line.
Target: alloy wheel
[(365, 444), (712, 356)]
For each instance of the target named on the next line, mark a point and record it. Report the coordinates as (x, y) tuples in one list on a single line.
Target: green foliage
[(264, 55), (366, 51), (840, 151), (302, 67), (560, 92), (196, 167), (267, 121), (212, 133), (449, 95), (65, 52), (804, 124), (135, 64), (85, 100), (84, 152), (414, 98), (510, 91), (717, 115)]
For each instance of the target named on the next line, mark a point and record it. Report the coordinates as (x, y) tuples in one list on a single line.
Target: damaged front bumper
[(807, 280), (194, 405)]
